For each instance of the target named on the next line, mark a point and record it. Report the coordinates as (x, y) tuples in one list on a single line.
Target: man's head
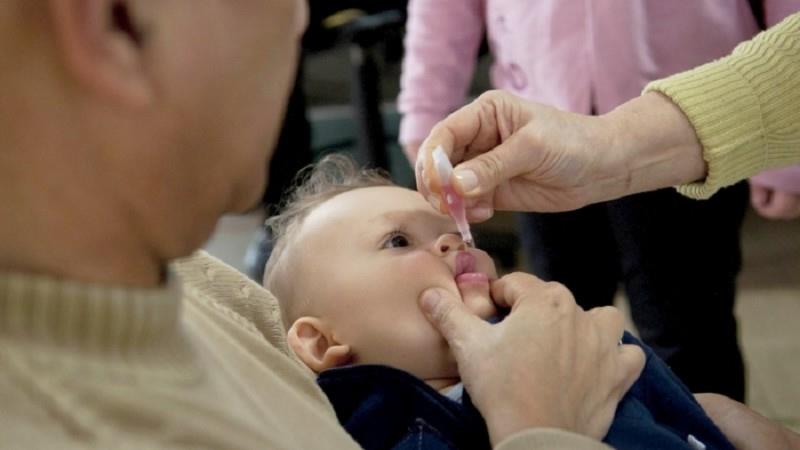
[(353, 255), (144, 118)]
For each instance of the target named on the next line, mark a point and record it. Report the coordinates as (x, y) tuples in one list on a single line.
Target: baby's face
[(365, 258)]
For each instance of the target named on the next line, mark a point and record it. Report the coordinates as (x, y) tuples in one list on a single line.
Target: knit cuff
[(743, 107), (725, 112)]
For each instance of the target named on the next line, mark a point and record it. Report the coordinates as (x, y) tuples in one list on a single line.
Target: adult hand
[(512, 154), (745, 428), (547, 364), (773, 203)]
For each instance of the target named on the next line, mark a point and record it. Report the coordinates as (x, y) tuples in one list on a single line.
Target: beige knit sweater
[(199, 364)]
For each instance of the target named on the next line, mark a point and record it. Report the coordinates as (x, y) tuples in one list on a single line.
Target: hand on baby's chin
[(478, 299)]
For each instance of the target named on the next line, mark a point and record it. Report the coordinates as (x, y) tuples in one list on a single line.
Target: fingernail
[(430, 299), (482, 213), (467, 180), (435, 201)]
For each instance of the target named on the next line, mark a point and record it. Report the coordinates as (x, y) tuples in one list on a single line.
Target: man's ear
[(101, 44), (311, 340)]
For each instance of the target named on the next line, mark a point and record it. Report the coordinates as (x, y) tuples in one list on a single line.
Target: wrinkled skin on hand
[(547, 364), (512, 154)]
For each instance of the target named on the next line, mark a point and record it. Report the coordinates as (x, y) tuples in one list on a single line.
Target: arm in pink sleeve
[(441, 46), (777, 10), (784, 180)]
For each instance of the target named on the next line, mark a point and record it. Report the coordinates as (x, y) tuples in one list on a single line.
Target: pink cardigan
[(573, 54)]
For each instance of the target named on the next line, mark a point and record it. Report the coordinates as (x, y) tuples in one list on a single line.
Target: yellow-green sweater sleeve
[(745, 108)]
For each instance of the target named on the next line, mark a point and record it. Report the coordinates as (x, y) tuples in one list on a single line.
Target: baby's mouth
[(465, 269), (473, 286)]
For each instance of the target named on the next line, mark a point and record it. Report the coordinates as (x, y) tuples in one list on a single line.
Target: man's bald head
[(142, 120)]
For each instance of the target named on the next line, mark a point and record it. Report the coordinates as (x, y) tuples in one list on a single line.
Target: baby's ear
[(311, 340)]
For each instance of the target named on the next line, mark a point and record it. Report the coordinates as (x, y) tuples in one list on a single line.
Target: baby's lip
[(465, 263), (465, 269), (472, 277)]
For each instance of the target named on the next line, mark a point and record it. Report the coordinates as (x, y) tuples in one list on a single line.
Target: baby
[(353, 253)]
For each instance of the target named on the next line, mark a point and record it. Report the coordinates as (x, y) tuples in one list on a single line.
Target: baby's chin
[(446, 378), (485, 310), (475, 295), (442, 384)]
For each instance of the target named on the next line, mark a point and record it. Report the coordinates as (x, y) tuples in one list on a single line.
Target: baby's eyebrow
[(408, 215)]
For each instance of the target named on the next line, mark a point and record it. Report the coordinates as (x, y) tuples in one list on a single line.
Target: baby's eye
[(396, 240)]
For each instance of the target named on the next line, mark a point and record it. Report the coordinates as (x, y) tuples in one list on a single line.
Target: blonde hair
[(333, 175)]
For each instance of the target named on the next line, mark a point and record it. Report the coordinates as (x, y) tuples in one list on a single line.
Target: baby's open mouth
[(465, 269)]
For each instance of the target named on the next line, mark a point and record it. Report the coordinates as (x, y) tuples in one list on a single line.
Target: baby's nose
[(449, 242)]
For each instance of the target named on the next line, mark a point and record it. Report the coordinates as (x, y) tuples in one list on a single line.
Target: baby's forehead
[(370, 207)]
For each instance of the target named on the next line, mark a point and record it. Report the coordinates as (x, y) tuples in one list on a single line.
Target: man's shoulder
[(220, 290)]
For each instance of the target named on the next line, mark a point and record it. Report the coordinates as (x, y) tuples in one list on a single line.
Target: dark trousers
[(677, 259)]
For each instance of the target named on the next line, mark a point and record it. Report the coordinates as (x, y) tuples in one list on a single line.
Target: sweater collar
[(106, 323)]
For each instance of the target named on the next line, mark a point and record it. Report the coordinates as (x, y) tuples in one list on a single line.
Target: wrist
[(505, 423), (652, 145)]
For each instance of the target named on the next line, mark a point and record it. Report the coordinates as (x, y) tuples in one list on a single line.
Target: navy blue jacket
[(386, 408)]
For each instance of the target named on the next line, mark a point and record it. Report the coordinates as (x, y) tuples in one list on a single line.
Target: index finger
[(472, 126), (426, 177), (428, 183), (517, 288)]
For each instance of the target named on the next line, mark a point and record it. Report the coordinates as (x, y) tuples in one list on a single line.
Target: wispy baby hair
[(332, 175)]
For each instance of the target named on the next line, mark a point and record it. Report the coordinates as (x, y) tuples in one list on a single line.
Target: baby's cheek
[(419, 271), (421, 266)]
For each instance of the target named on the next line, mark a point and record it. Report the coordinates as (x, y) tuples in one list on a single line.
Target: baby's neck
[(442, 384)]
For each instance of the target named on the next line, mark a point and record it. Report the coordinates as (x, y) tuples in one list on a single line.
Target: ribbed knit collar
[(107, 324)]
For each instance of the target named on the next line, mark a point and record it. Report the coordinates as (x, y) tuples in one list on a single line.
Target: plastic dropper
[(455, 204)]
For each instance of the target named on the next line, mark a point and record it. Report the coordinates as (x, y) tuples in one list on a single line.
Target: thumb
[(483, 173), (450, 316)]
